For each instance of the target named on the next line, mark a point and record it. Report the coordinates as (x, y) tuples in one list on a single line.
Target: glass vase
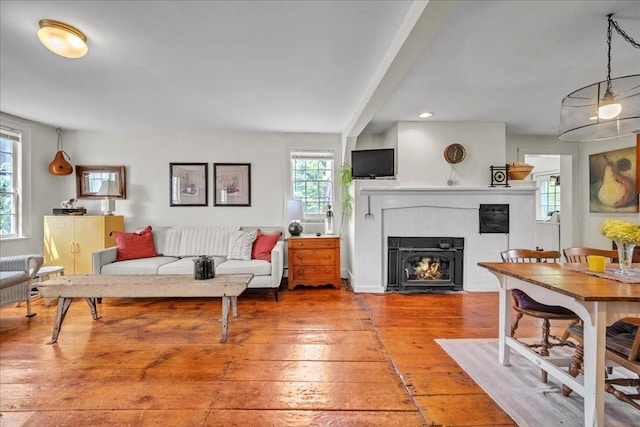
[(625, 254)]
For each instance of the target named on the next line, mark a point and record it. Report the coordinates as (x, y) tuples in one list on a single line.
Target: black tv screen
[(378, 163)]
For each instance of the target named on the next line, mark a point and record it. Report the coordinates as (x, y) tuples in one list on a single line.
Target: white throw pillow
[(240, 245)]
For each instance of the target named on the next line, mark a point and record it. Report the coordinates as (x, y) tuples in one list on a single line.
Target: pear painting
[(612, 181)]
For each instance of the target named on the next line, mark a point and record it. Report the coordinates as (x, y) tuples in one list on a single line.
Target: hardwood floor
[(320, 356)]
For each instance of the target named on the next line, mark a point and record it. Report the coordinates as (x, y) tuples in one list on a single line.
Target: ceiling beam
[(421, 23)]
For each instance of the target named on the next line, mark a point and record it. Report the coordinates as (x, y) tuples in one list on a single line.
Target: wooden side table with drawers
[(314, 261)]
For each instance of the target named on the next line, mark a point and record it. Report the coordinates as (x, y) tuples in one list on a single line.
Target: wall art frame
[(232, 184), (91, 178), (613, 181), (188, 184)]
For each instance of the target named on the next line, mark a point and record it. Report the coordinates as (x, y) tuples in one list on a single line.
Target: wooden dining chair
[(577, 254), (523, 304), (581, 255), (623, 348)]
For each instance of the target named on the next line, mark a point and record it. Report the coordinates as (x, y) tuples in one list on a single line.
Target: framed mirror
[(100, 182)]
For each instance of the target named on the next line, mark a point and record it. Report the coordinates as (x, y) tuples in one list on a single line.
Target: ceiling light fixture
[(62, 39), (425, 115), (603, 110)]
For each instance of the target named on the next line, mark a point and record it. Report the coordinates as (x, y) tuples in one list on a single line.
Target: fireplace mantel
[(522, 188), (435, 211)]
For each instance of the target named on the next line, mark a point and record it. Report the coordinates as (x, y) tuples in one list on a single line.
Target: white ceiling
[(308, 66)]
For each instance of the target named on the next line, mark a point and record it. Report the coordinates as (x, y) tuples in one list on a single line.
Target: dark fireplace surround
[(425, 264)]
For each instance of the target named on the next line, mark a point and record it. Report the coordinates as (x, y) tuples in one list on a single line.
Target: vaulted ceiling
[(309, 66)]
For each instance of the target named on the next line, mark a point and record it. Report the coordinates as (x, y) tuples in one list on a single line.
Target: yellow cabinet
[(70, 240)]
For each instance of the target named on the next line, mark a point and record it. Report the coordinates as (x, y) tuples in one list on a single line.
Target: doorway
[(553, 177)]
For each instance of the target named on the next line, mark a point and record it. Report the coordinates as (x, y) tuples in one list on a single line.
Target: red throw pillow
[(263, 245), (134, 245)]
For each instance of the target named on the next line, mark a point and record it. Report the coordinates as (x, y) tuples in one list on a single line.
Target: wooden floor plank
[(213, 417), (319, 356)]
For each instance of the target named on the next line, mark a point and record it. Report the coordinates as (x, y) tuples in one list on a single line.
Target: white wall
[(543, 164), (421, 152), (40, 188), (147, 158)]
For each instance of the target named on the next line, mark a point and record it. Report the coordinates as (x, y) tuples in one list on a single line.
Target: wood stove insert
[(425, 264)]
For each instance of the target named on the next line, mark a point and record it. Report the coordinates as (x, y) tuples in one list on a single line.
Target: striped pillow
[(240, 245)]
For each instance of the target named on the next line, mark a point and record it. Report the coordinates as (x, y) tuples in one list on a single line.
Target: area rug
[(517, 389)]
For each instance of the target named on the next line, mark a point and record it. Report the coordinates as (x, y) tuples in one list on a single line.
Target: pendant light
[(59, 165), (603, 110), (62, 39)]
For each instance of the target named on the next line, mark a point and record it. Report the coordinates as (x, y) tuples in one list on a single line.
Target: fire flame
[(427, 270)]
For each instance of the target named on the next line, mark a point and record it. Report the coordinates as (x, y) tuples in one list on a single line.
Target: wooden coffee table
[(90, 287)]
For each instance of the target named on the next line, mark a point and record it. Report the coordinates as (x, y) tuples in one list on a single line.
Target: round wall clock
[(454, 153)]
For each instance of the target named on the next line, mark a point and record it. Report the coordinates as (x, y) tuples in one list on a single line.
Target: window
[(10, 146), (548, 195), (312, 180)]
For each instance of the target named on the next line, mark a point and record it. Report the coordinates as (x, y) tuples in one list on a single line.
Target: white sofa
[(178, 246)]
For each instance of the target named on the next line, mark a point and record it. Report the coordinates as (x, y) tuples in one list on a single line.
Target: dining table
[(598, 299)]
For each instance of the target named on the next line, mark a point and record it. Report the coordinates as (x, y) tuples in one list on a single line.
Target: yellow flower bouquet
[(621, 231)]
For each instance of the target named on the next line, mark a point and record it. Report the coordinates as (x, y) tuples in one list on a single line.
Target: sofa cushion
[(263, 245), (134, 245), (172, 238), (185, 265), (137, 266), (528, 303), (197, 241), (159, 236), (241, 244), (256, 266)]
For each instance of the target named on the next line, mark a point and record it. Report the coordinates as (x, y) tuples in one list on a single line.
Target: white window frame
[(540, 180), (312, 153), (16, 136)]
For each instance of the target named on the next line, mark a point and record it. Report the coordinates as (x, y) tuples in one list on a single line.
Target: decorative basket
[(519, 172)]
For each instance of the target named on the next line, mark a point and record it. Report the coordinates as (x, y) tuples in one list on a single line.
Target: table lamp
[(295, 214), (108, 189)]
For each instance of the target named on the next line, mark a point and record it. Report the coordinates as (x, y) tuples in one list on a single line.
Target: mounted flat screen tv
[(372, 164)]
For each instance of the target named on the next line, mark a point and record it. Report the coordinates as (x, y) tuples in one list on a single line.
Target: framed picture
[(99, 181), (232, 184), (188, 184), (612, 181)]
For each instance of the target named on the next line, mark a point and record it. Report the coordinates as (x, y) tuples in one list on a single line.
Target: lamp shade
[(589, 114), (294, 210), (294, 215)]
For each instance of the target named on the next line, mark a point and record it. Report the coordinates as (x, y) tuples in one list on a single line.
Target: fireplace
[(424, 264)]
